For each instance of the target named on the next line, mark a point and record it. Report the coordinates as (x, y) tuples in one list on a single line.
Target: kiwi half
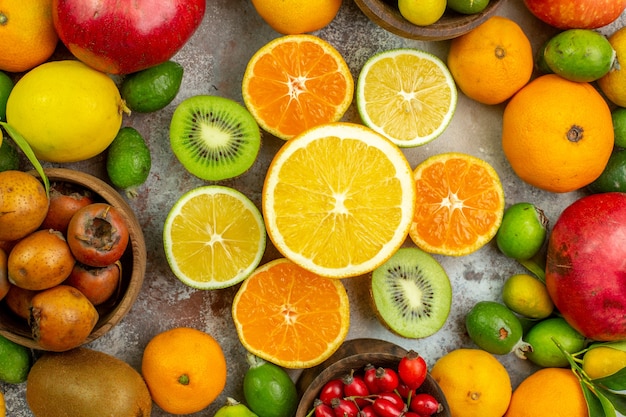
[(411, 293), (214, 138)]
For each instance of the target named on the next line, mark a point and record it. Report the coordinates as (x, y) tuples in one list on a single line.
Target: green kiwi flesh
[(411, 293), (214, 138)]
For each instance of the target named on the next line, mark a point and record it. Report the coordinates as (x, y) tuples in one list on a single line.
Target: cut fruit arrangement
[(340, 201)]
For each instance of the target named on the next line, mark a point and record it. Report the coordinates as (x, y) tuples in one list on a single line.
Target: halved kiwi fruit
[(411, 293), (214, 138)]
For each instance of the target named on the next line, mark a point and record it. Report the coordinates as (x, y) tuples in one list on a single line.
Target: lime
[(423, 12), (581, 55), (495, 328), (128, 160), (544, 351), (9, 156), (619, 126), (522, 232), (268, 389), (527, 296), (15, 361), (6, 85), (153, 88), (613, 177), (603, 360), (468, 6)]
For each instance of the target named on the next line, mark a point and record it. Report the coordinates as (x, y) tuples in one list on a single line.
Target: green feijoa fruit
[(411, 293), (268, 389), (581, 55), (6, 85), (522, 232), (467, 6), (214, 138), (128, 160), (153, 88), (15, 361), (234, 408), (544, 351), (618, 116), (613, 177), (540, 61), (9, 156), (495, 329)]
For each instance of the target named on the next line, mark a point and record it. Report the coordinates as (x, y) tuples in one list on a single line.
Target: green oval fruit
[(128, 160), (613, 178), (153, 88), (15, 361), (6, 85), (494, 328), (467, 6), (522, 232), (618, 116), (527, 296), (268, 389), (544, 351), (234, 408), (580, 55)]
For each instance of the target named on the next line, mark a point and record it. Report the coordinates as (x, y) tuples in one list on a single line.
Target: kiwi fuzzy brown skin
[(87, 383), (411, 274), (214, 138)]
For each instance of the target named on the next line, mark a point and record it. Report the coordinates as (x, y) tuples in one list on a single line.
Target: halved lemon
[(214, 237), (407, 95), (338, 199)]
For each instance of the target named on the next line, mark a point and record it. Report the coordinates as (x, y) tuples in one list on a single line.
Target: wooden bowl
[(386, 14), (354, 355), (133, 264)]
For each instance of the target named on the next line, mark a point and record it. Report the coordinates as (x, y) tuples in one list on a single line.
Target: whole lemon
[(66, 111), (420, 12)]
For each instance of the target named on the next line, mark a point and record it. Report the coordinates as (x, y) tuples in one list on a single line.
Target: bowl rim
[(137, 249), (447, 27)]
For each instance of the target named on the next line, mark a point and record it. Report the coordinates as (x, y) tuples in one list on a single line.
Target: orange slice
[(290, 316), (338, 200), (296, 82), (460, 204)]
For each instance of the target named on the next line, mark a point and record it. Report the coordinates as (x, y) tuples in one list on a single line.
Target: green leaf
[(594, 404), (28, 151), (618, 400), (616, 381)]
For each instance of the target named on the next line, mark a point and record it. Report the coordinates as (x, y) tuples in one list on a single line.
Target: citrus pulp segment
[(338, 200), (296, 82), (214, 237), (460, 204), (290, 316), (407, 95)]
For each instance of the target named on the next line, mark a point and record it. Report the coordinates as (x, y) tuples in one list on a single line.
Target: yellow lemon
[(422, 12), (66, 110)]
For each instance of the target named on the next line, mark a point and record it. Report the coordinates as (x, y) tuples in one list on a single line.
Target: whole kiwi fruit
[(87, 383)]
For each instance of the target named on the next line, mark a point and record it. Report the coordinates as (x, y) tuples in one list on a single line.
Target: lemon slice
[(407, 95), (214, 237), (338, 200)]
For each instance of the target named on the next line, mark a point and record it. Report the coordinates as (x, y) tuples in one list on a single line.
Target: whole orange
[(492, 61), (27, 35), (185, 370), (549, 392), (557, 134), (291, 17)]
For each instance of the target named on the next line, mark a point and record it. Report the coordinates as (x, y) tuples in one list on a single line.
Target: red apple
[(576, 14), (586, 266), (125, 36)]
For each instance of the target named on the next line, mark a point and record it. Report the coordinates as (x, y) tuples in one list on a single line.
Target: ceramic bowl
[(133, 262), (386, 14), (354, 355)]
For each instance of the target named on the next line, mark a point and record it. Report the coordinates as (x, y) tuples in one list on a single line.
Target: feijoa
[(128, 160), (613, 178), (153, 88), (581, 55)]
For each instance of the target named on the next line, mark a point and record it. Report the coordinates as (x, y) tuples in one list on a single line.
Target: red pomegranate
[(586, 266)]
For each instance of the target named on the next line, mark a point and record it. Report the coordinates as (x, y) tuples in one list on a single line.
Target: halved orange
[(296, 82), (460, 204), (338, 199), (290, 316)]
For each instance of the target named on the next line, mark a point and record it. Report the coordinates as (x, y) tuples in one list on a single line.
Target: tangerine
[(185, 370), (613, 84), (492, 61), (27, 34), (557, 134), (291, 17)]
